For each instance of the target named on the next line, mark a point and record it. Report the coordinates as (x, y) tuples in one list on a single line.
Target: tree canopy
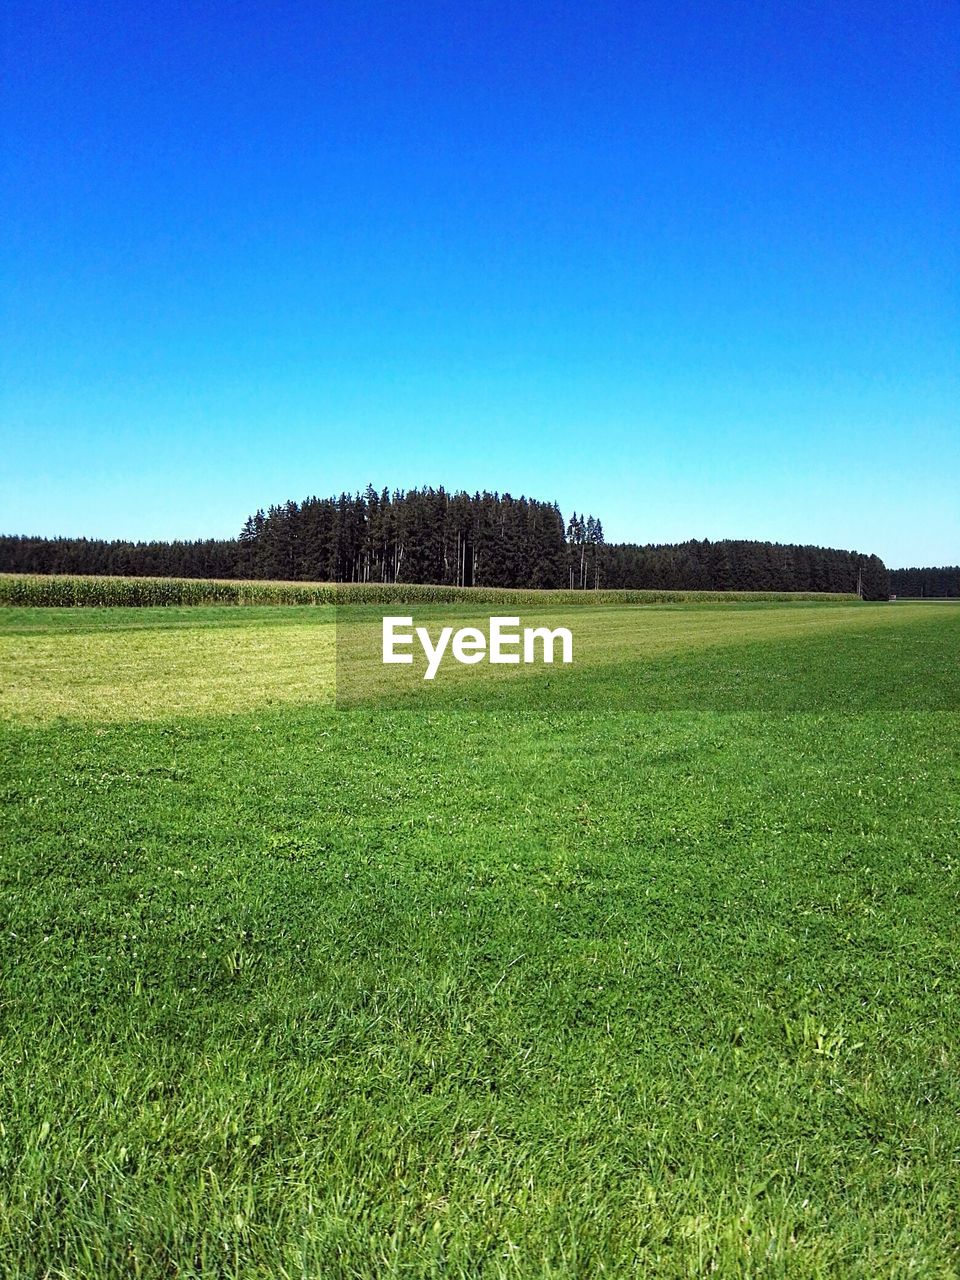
[(481, 539)]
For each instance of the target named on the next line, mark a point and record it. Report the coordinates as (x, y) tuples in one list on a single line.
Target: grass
[(737, 656), (479, 989), (115, 664)]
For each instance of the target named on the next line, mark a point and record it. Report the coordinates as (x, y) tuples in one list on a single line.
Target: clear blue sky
[(691, 267)]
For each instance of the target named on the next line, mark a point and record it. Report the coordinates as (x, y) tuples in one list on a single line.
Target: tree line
[(459, 539), (941, 582), (423, 535), (737, 565)]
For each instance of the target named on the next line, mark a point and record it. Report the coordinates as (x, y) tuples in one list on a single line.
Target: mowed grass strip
[(731, 657), (116, 664), (146, 666)]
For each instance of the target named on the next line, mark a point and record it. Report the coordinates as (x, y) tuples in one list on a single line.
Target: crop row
[(76, 590)]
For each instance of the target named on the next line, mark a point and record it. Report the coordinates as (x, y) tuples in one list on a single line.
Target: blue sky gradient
[(692, 267)]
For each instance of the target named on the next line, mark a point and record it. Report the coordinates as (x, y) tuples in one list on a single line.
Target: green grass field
[(643, 968)]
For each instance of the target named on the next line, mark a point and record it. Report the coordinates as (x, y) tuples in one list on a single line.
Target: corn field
[(69, 591)]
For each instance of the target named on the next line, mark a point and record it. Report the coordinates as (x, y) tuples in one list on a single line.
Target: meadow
[(646, 967)]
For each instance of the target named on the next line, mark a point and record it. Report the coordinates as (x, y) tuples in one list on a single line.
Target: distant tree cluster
[(423, 535), (460, 539), (207, 558), (744, 566), (926, 582)]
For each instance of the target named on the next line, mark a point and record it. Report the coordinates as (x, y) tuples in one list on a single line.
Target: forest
[(485, 539), (931, 584)]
